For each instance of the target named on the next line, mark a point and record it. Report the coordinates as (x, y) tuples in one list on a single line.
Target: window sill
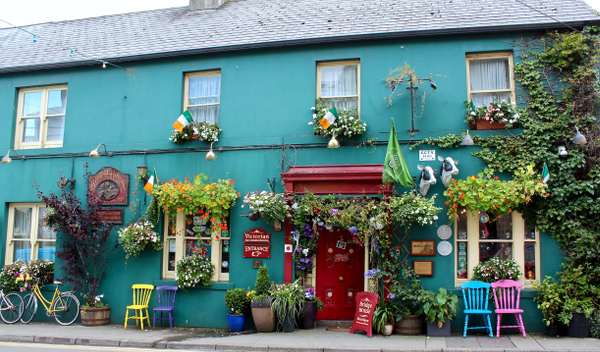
[(215, 286)]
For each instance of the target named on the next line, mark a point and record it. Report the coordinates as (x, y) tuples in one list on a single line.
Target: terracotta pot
[(264, 319), (388, 329), (95, 316), (277, 226), (410, 325), (489, 125)]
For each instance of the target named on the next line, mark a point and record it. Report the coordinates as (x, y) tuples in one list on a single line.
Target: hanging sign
[(427, 155), (363, 315), (257, 243)]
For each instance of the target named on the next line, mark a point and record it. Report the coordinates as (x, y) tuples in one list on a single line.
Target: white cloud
[(594, 3)]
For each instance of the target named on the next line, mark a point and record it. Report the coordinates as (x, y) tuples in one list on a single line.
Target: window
[(338, 84), (490, 78), (186, 235), (479, 238), (28, 237), (41, 117), (202, 95)]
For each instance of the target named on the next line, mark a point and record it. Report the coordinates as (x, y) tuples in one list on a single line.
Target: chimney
[(206, 4)]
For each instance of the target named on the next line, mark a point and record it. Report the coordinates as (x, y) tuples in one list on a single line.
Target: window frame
[(518, 242), (491, 56), (186, 89), (42, 143), (351, 62), (33, 234), (215, 250)]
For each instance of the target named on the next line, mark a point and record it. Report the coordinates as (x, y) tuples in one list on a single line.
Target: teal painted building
[(268, 79)]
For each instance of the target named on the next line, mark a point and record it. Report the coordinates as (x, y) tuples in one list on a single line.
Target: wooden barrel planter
[(410, 325), (95, 316)]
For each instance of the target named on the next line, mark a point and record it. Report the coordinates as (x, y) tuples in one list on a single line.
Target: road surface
[(38, 347)]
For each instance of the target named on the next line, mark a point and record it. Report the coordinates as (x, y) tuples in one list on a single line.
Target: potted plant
[(267, 205), (236, 300), (262, 313), (407, 293), (439, 309), (312, 304), (496, 115), (576, 313), (95, 314), (495, 269), (384, 317), (288, 303), (138, 236), (550, 300)]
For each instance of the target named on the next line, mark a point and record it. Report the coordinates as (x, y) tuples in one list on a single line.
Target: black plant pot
[(579, 326), (556, 330), (433, 330), (308, 315)]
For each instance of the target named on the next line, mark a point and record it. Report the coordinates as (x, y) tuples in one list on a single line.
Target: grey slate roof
[(242, 24)]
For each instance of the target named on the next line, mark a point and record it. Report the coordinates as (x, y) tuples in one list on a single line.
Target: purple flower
[(334, 211), (309, 293), (353, 230), (371, 273), (391, 296)]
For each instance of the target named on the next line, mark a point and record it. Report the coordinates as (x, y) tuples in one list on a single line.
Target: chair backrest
[(165, 296), (142, 293), (476, 295), (507, 294)]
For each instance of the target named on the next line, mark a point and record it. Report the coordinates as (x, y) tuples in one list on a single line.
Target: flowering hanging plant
[(413, 209), (495, 269), (20, 276), (347, 123), (268, 205), (197, 131), (194, 271), (499, 112), (138, 236)]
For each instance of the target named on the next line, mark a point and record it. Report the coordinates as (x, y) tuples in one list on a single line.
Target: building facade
[(54, 109)]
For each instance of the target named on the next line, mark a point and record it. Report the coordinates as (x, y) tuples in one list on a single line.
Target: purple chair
[(507, 299), (165, 305)]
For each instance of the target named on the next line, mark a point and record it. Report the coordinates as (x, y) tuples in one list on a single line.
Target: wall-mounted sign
[(288, 248), (257, 244), (110, 186), (363, 315), (427, 155), (422, 248), (111, 216), (423, 267)]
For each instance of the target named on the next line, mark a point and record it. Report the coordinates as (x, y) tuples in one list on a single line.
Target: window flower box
[(494, 116)]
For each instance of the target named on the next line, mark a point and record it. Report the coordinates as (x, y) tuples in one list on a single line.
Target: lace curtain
[(339, 86), (489, 75), (204, 98)]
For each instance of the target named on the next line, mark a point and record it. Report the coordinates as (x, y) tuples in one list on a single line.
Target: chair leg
[(148, 318), (521, 324), (171, 321), (466, 325), (499, 318), (126, 317), (141, 316), (489, 325), (153, 318)]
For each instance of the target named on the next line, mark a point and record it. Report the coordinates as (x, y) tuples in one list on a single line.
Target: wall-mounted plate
[(444, 248), (444, 232)]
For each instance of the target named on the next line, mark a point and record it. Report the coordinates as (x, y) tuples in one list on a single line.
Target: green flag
[(545, 173), (394, 166)]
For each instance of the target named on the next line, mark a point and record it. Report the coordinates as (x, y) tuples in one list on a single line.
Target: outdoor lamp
[(142, 172), (210, 155), (579, 138), (6, 159), (467, 140), (333, 143), (562, 151), (433, 85), (95, 153)]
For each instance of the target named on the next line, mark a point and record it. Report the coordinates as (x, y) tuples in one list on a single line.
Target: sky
[(24, 12)]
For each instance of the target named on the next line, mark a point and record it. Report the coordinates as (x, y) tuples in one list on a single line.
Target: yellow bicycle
[(63, 306)]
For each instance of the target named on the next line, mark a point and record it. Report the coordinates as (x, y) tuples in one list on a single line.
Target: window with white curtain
[(28, 237), (203, 95), (41, 117), (338, 84), (490, 78)]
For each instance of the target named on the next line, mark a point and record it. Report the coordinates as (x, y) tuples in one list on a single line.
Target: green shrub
[(236, 300), (194, 271), (263, 282), (439, 307)]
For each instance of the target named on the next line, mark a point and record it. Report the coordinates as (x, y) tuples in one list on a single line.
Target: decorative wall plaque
[(257, 244), (424, 248), (423, 267), (111, 216), (110, 186)]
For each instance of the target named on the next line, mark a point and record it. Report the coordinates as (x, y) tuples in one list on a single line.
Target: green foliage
[(499, 112), (268, 205), (236, 300), (385, 314), (445, 142), (495, 269), (194, 271), (136, 237), (413, 209), (41, 272), (406, 292), (549, 299), (197, 131), (346, 125), (439, 307), (288, 303), (263, 282), (20, 276), (8, 277), (595, 326)]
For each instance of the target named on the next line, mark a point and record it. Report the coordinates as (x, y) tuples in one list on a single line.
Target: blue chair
[(476, 296)]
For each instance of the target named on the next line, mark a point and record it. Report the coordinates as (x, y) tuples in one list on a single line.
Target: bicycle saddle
[(57, 282)]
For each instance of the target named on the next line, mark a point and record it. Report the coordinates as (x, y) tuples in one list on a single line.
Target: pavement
[(316, 340)]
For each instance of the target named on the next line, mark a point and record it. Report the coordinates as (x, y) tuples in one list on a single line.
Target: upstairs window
[(41, 117), (28, 236), (338, 84), (490, 78), (202, 95)]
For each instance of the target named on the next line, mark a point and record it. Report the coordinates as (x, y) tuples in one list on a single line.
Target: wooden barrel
[(95, 316), (410, 325)]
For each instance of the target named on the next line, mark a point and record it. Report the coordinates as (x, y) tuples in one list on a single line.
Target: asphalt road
[(38, 347)]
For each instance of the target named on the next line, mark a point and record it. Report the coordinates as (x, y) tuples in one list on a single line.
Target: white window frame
[(518, 242), (492, 56), (33, 236), (216, 245), (356, 63), (42, 142), (186, 90)]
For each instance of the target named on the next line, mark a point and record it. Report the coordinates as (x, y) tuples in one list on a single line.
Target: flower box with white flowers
[(494, 116)]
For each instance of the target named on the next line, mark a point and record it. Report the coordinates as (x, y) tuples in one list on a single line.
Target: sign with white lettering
[(257, 244), (427, 155)]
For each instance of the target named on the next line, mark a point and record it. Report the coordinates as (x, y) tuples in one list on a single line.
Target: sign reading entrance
[(363, 316), (257, 244)]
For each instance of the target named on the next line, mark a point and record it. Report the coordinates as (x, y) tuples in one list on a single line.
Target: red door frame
[(330, 179)]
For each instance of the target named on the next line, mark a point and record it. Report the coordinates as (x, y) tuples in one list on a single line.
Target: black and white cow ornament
[(426, 179), (448, 169)]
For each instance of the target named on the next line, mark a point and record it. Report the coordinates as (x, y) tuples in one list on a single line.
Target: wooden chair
[(141, 298), (507, 299), (476, 295), (165, 305)]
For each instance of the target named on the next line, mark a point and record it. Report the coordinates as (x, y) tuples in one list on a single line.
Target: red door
[(340, 274)]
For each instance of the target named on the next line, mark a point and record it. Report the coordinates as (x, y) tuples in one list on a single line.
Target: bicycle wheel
[(65, 308), (11, 308), (30, 307)]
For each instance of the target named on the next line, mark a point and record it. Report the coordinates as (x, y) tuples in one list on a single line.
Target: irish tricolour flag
[(328, 119), (182, 121), (149, 186)]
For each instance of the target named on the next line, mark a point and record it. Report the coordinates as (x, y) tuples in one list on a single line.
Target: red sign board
[(363, 316), (257, 244), (111, 216)]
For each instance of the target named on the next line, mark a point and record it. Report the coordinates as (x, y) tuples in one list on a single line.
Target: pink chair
[(507, 298)]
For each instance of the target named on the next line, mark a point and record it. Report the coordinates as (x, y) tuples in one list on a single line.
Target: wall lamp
[(6, 159), (95, 153)]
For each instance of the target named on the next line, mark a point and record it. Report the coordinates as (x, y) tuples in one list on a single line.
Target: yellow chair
[(141, 298)]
